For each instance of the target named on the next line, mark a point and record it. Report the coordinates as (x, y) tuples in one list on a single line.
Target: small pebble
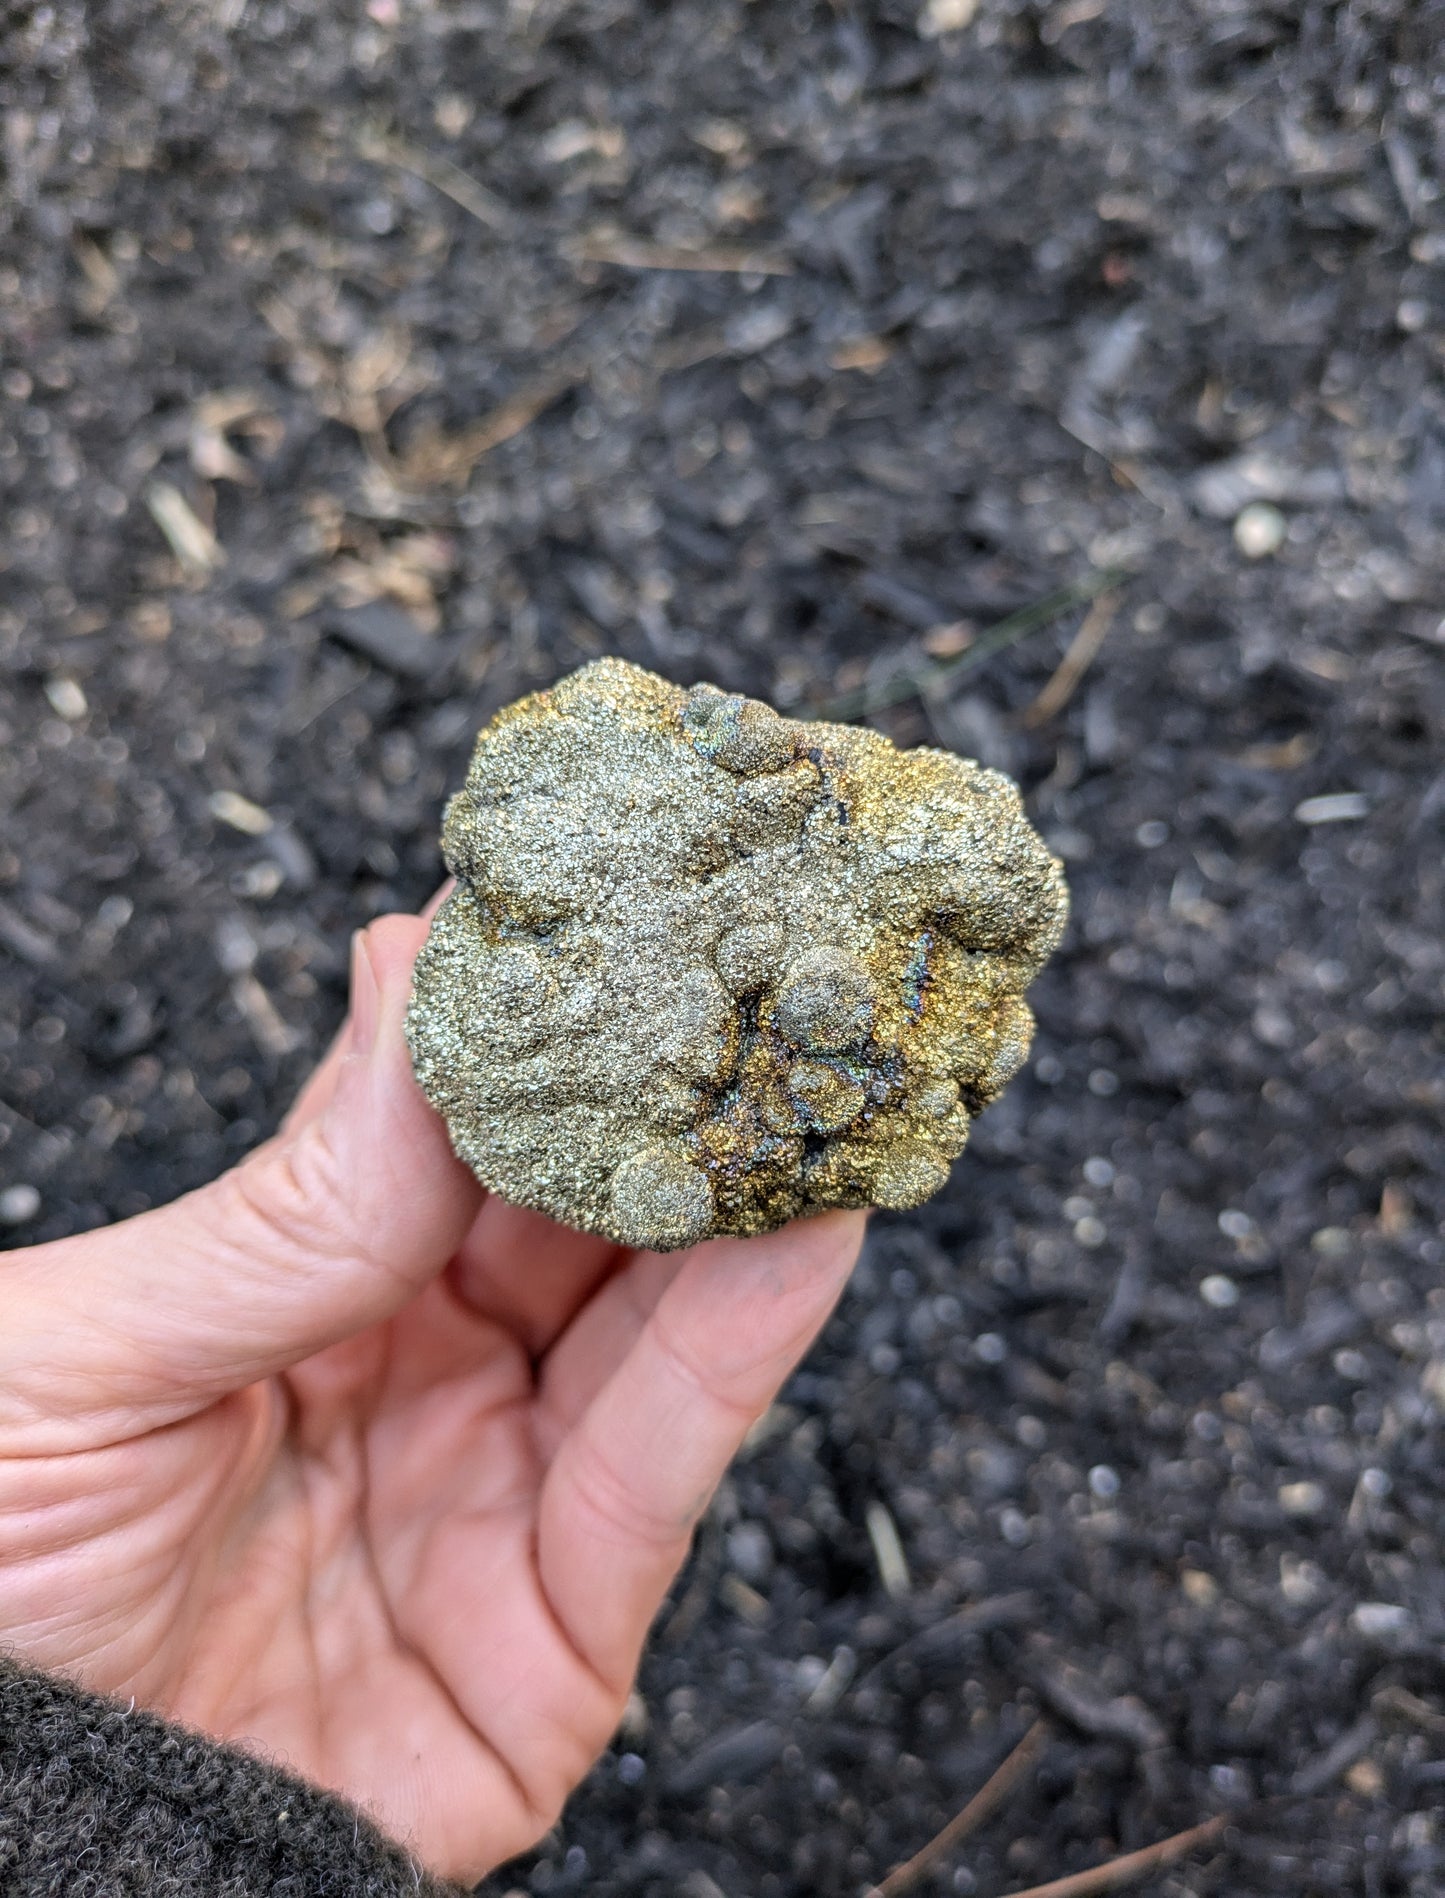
[(1380, 1620), (1219, 1291), (114, 913), (1302, 1584), (1337, 807), (67, 698), (1231, 1782), (240, 813), (750, 1551), (1104, 1482), (18, 1205), (946, 16), (1259, 530), (1302, 1499), (808, 1672), (1333, 1241), (1412, 315), (1366, 1779)]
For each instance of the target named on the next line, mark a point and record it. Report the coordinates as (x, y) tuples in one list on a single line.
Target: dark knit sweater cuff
[(97, 1800)]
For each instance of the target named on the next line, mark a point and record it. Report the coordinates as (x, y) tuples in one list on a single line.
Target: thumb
[(328, 1228)]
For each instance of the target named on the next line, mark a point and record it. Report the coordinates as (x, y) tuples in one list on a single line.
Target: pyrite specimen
[(706, 968)]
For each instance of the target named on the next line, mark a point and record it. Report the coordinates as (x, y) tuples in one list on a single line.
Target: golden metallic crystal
[(707, 969)]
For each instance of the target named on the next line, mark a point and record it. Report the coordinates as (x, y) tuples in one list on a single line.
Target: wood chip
[(635, 253), (888, 1551), (950, 639), (1114, 1717), (745, 1601), (191, 541), (1407, 1706), (1288, 756), (24, 940), (1397, 1213), (274, 1035), (834, 1683), (213, 417), (868, 353), (102, 279), (240, 813)]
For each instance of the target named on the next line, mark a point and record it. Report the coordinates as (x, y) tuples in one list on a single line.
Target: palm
[(379, 1620), (416, 1565)]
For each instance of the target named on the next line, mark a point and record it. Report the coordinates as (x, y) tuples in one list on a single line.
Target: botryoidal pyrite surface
[(706, 968)]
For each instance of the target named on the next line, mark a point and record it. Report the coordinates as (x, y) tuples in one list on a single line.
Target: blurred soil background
[(363, 367)]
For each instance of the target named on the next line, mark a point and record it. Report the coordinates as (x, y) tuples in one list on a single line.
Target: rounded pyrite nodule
[(707, 969)]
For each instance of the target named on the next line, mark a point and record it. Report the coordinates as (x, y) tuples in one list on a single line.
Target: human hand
[(345, 1462)]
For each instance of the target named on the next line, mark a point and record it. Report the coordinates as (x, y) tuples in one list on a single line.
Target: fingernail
[(365, 997)]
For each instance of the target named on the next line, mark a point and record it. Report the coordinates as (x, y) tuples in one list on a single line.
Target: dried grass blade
[(983, 1805), (1124, 1870), (1083, 650)]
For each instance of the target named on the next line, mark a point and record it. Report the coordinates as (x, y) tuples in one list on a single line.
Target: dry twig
[(1068, 1692), (947, 1638), (1124, 1870), (983, 1805), (1083, 650), (634, 253), (384, 148)]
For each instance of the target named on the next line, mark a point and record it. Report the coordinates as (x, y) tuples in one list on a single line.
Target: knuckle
[(289, 1198), (294, 1203), (619, 1511), (714, 1385)]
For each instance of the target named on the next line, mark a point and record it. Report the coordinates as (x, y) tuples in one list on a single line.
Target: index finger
[(631, 1479)]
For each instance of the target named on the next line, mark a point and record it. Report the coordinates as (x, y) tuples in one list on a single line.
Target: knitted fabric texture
[(100, 1802)]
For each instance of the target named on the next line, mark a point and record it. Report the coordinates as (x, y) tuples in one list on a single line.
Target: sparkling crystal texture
[(707, 969)]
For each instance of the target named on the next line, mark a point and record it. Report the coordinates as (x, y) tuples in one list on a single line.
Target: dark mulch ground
[(1154, 1395)]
